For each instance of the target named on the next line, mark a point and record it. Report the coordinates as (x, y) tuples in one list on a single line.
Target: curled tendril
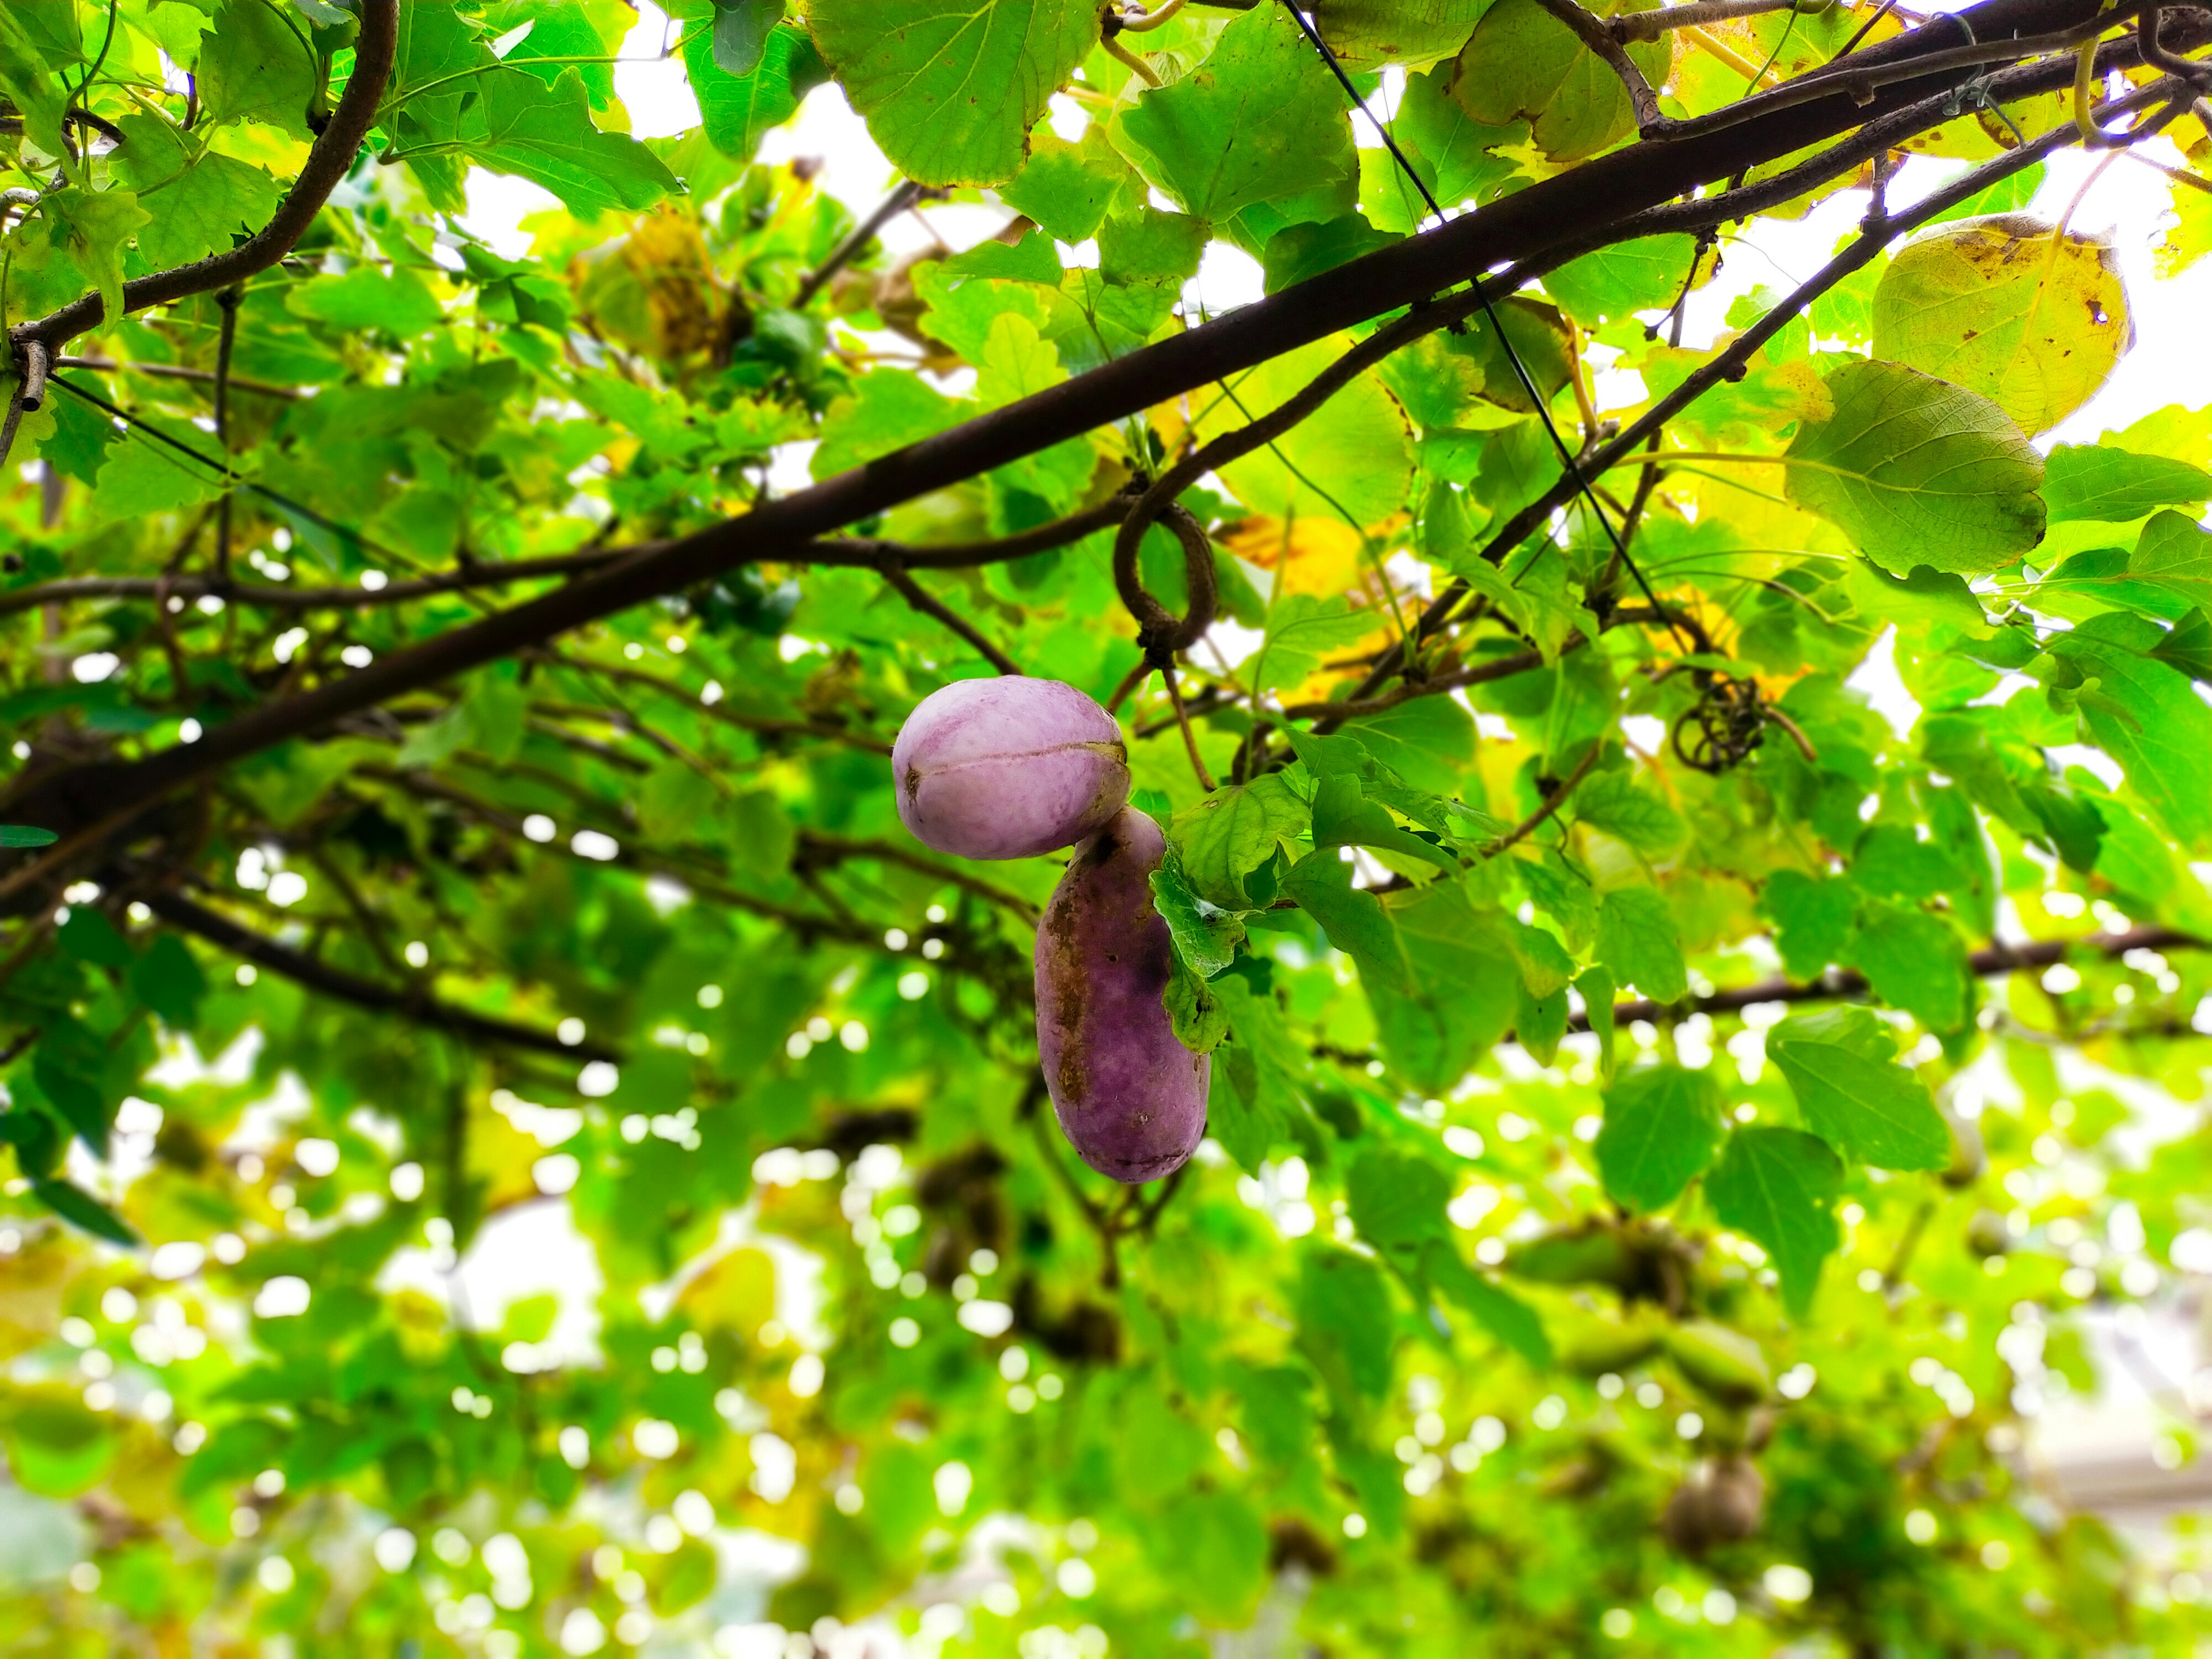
[(1717, 733), (1160, 632)]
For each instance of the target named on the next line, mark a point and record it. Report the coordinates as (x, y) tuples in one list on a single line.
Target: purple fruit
[(1007, 769), (1131, 1098)]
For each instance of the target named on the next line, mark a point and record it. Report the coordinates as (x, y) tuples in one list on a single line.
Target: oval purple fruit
[(1007, 769), (1131, 1098)]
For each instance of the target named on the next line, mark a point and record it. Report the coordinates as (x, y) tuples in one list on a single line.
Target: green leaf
[(1917, 961), (741, 34), (1540, 1022), (1397, 1201), (676, 803), (26, 56), (1068, 188), (398, 301), (1460, 153), (2149, 720), (1210, 1547), (886, 411), (1347, 1323), (1612, 802), (139, 478), (256, 67), (1841, 1066), (1779, 1187), (1303, 631), (1597, 991), (1497, 1309), (2001, 308), (1521, 61), (96, 229), (950, 89), (198, 204), (2187, 649), (1647, 274), (1199, 1021), (1427, 741), (1351, 461), (1251, 1105), (1354, 919), (22, 834), (738, 109), (1260, 120), (1639, 945), (1409, 33), (1231, 833), (80, 1209), (1342, 817), (169, 981), (1813, 918), (1663, 1126), (91, 937), (545, 134), (1462, 983), (1917, 471), (70, 1066), (1206, 935), (1543, 607), (2090, 481)]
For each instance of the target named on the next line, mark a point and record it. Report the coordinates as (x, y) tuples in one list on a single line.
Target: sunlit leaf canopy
[(1686, 828)]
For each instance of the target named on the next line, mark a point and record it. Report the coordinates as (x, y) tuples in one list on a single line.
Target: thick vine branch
[(1849, 982), (192, 917)]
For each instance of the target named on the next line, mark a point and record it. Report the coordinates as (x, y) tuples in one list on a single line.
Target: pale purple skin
[(1131, 1098), (1008, 769)]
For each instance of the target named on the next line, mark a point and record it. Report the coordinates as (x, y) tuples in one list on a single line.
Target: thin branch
[(820, 847), (1497, 668), (903, 196), (1182, 720), (1849, 983), (179, 372), (757, 725), (1553, 803), (912, 592), (414, 1005), (1632, 26), (226, 300), (30, 388), (1607, 46)]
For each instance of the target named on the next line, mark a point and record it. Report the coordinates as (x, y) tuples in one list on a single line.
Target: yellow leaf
[(2034, 322)]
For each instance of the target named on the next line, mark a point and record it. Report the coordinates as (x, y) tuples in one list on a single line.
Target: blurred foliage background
[(545, 1164)]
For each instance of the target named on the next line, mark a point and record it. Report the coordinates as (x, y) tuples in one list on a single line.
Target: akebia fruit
[(1131, 1098), (1008, 767)]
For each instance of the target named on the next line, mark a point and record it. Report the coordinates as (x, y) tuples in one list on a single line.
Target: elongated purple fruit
[(1131, 1098), (1007, 769)]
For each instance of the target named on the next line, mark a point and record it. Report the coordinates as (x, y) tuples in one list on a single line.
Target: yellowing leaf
[(1409, 33), (2034, 322), (1310, 555)]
